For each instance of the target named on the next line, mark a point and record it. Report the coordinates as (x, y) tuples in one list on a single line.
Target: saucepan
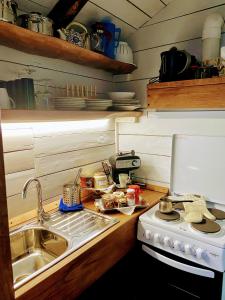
[(165, 205)]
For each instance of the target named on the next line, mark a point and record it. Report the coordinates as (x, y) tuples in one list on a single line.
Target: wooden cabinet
[(35, 43), (197, 94)]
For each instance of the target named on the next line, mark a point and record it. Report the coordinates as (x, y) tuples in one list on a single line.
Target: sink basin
[(35, 248)]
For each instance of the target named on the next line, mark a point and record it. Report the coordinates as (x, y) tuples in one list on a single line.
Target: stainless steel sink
[(35, 248)]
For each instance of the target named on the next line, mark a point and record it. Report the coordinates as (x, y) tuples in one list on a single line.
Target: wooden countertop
[(73, 274)]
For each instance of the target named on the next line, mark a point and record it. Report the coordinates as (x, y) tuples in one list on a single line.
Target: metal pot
[(8, 11), (36, 22), (165, 206)]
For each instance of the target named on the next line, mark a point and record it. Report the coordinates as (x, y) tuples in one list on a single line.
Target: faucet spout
[(41, 214)]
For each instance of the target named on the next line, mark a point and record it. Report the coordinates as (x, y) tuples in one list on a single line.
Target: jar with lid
[(130, 197), (100, 180)]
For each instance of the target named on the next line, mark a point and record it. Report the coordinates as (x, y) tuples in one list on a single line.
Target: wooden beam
[(6, 276), (65, 11)]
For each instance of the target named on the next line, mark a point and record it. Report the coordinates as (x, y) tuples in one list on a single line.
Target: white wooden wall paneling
[(175, 9), (15, 181), (17, 205), (55, 163), (149, 61), (18, 161), (90, 14), (30, 6), (67, 128), (53, 184), (59, 79), (17, 139), (25, 59), (150, 7), (176, 124), (159, 145), (123, 10), (172, 31), (54, 145), (154, 167)]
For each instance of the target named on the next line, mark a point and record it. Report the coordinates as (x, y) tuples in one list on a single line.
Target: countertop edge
[(87, 259)]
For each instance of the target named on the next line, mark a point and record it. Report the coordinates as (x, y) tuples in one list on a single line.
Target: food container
[(137, 191), (130, 197), (100, 180), (86, 182), (108, 201)]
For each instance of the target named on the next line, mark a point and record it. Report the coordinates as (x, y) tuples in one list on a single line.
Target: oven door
[(176, 278)]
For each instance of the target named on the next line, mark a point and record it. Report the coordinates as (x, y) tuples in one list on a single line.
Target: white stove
[(179, 238), (198, 167)]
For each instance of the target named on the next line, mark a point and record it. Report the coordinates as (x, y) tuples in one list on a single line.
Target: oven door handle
[(178, 265)]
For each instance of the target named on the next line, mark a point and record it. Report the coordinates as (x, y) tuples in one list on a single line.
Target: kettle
[(175, 65), (75, 33), (8, 11)]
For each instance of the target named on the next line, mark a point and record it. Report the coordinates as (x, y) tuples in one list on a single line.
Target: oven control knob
[(148, 235), (187, 249), (156, 237), (134, 163), (177, 245), (200, 253), (167, 241)]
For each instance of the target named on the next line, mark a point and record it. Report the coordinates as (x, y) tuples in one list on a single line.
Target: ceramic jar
[(124, 53)]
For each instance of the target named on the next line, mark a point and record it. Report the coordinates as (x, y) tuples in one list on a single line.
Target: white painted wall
[(53, 152), (179, 24)]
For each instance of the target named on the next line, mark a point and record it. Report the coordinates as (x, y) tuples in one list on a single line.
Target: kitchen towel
[(64, 208)]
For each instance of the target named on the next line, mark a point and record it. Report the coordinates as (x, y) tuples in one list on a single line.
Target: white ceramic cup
[(123, 179), (6, 102)]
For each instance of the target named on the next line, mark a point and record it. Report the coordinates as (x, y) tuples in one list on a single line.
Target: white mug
[(6, 102), (123, 179)]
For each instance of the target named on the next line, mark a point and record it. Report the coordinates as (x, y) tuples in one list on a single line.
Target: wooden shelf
[(39, 44), (12, 116), (197, 94)]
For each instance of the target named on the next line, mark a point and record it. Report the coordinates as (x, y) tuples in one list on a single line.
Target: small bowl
[(121, 95)]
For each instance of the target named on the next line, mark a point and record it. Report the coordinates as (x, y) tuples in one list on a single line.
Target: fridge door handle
[(178, 265)]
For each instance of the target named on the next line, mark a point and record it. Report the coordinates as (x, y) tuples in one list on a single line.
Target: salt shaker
[(130, 197)]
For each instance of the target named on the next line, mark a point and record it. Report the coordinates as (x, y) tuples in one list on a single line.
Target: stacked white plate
[(69, 103), (98, 104), (124, 101)]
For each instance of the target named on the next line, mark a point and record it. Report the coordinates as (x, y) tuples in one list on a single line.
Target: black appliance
[(177, 65), (124, 162)]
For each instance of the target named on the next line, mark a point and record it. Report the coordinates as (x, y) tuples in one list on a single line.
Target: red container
[(87, 182), (137, 190)]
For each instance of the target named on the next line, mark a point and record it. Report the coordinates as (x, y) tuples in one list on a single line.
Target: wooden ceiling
[(129, 15)]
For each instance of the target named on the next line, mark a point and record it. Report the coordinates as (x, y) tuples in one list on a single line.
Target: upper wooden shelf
[(196, 94), (12, 116), (35, 43)]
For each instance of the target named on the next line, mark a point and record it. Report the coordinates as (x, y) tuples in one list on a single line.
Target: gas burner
[(219, 214), (206, 226), (173, 216)]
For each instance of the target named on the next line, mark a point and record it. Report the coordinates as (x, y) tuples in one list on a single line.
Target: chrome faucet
[(41, 214)]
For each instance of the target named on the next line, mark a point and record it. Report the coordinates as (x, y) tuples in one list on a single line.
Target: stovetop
[(185, 229)]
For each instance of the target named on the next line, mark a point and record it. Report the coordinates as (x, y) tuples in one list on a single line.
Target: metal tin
[(71, 194)]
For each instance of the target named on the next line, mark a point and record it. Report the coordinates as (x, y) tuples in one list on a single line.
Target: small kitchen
[(112, 157)]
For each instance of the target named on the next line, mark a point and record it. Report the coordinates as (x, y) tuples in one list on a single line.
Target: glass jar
[(100, 180), (130, 197)]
